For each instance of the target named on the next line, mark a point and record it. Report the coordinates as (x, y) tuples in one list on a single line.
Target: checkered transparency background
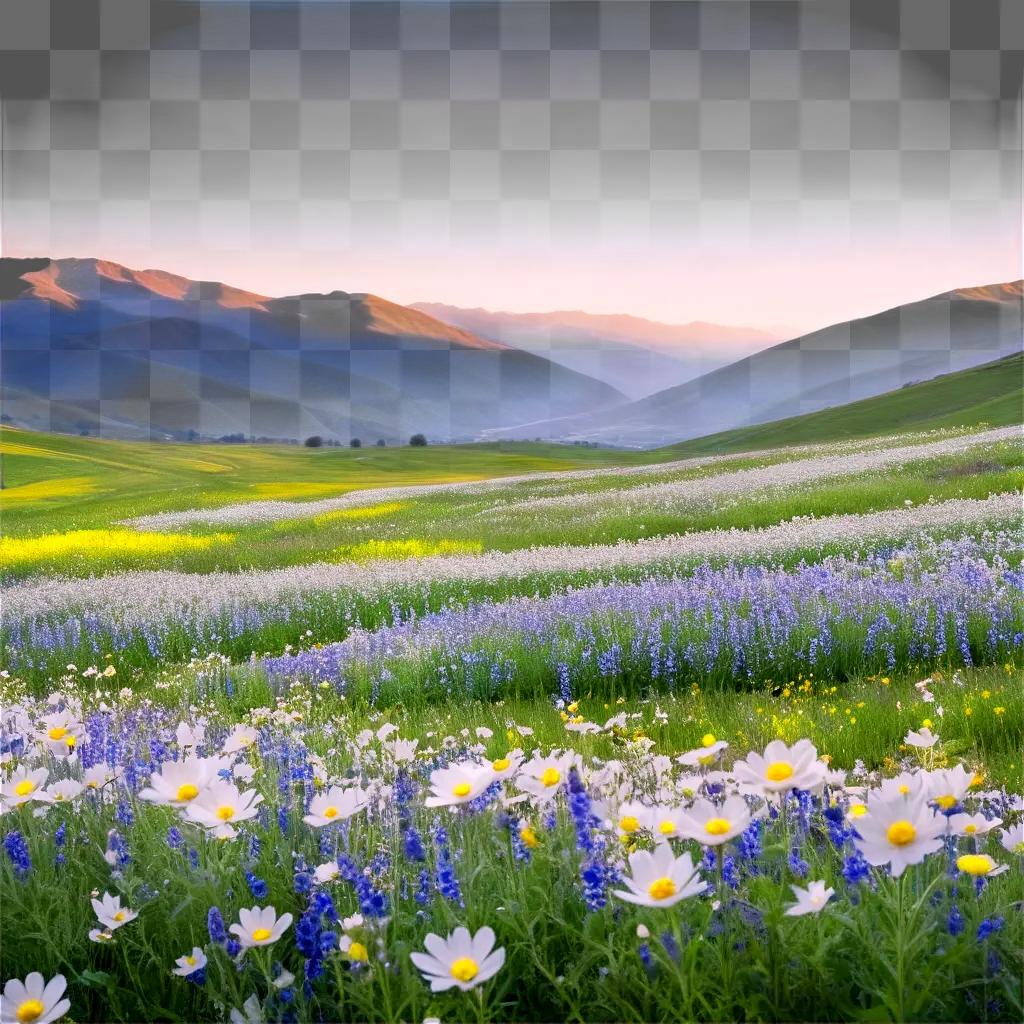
[(301, 131)]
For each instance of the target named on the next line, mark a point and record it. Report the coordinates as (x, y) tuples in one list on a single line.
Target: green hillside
[(991, 394), (58, 481)]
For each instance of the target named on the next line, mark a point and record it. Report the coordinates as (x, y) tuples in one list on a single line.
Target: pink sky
[(785, 285)]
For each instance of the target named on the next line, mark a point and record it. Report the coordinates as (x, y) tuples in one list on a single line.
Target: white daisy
[(1012, 839), (110, 913), (335, 805), (178, 783), (898, 832), (458, 783), (459, 961), (660, 879), (712, 824), (811, 900), (260, 926), (221, 805), (34, 1001), (190, 963), (23, 786), (782, 767)]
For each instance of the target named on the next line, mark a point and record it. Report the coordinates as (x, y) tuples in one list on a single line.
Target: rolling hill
[(834, 366), (636, 355), (90, 345), (990, 394)]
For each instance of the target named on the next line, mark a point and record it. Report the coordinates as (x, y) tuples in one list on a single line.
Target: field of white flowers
[(765, 773)]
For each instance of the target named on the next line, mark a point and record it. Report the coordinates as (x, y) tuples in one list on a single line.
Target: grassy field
[(514, 748), (81, 483), (992, 394)]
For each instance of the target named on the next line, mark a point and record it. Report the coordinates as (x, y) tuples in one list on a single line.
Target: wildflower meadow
[(725, 738)]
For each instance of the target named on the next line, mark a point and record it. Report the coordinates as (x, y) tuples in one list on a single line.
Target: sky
[(781, 165)]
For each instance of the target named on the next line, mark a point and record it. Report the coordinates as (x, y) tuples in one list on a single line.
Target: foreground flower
[(33, 1002), (260, 926), (782, 767), (1012, 839), (111, 914), (660, 878), (23, 785), (810, 900), (461, 960), (222, 804), (898, 832), (178, 783), (713, 824), (979, 865), (542, 777), (190, 963), (335, 805), (458, 783)]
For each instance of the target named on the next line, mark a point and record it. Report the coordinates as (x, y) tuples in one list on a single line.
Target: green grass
[(878, 951), (495, 521), (122, 479), (991, 394)]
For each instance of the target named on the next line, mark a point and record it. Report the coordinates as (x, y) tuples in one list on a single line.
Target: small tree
[(355, 443), (418, 441), (381, 443), (316, 441)]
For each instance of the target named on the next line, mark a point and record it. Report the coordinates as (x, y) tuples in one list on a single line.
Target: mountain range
[(635, 355), (843, 363), (90, 345)]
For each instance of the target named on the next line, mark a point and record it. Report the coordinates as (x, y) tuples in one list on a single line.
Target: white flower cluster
[(909, 446), (137, 598), (777, 477)]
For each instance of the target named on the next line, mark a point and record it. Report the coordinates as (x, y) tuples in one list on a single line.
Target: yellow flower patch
[(384, 550), (300, 489), (16, 552), (368, 512), (69, 487)]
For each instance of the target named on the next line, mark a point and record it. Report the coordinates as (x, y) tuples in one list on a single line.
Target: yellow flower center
[(69, 740), (946, 801), (904, 788), (706, 759), (261, 935), (900, 833), (190, 960), (662, 889), (667, 827), (707, 739), (465, 969), (225, 813), (551, 777), (970, 829), (31, 1009), (461, 789), (330, 812), (858, 811), (717, 826), (187, 791), (24, 787), (58, 732), (629, 824), (119, 916), (975, 864), (529, 838), (779, 771), (500, 764), (357, 951)]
